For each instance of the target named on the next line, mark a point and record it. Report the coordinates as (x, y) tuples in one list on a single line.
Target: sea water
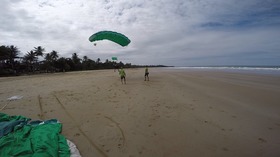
[(267, 70)]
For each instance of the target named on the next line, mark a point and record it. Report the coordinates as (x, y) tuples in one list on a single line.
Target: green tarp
[(34, 139)]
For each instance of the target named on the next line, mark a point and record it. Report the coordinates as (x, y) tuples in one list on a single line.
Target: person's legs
[(146, 77)]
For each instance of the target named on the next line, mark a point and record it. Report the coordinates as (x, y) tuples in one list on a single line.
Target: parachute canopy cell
[(110, 35)]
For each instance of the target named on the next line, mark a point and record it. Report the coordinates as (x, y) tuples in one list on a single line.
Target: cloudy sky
[(169, 32)]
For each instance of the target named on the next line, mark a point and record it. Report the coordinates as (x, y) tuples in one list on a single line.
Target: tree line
[(12, 64)]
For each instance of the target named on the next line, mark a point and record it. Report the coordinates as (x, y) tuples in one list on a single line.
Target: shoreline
[(261, 70)]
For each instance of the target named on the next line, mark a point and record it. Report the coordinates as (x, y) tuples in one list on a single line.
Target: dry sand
[(175, 114)]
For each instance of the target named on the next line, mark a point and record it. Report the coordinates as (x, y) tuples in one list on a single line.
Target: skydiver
[(146, 73), (122, 74)]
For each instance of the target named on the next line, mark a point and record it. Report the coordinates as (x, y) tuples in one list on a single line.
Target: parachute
[(114, 58), (110, 35)]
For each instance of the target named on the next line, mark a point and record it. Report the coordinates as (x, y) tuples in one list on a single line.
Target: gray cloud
[(183, 32)]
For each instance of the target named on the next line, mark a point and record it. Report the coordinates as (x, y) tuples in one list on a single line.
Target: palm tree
[(86, 63), (3, 57), (13, 54), (54, 55), (3, 52), (63, 65), (75, 58), (39, 51), (51, 58), (8, 54), (85, 58), (77, 61), (48, 61), (30, 58), (98, 60)]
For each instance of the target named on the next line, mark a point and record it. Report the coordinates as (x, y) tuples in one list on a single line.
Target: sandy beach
[(177, 113)]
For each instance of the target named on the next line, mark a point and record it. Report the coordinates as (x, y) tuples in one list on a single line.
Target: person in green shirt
[(122, 74), (146, 73)]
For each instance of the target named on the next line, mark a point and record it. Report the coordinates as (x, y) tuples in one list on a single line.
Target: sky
[(162, 32)]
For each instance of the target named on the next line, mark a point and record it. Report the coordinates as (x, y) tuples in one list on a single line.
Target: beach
[(177, 113)]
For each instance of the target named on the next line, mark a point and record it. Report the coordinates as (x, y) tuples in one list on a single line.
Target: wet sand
[(177, 113)]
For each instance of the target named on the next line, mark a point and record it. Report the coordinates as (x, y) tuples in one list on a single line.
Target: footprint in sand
[(168, 107), (77, 134), (225, 149), (262, 140)]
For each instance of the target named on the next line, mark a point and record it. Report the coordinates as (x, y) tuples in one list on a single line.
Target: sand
[(177, 113)]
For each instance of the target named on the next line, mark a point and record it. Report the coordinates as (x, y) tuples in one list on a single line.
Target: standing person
[(122, 74), (146, 73)]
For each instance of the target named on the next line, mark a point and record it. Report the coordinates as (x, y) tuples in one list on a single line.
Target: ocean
[(267, 70)]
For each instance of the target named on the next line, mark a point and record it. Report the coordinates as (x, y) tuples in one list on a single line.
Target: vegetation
[(12, 64)]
